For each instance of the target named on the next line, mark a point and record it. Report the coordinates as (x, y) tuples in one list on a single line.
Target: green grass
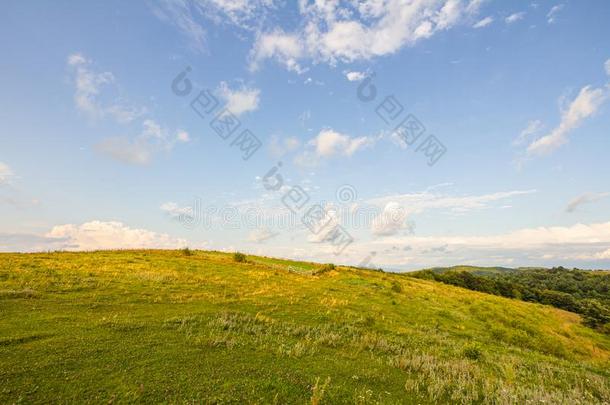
[(170, 326)]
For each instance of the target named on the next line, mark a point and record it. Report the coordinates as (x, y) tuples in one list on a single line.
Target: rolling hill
[(195, 326)]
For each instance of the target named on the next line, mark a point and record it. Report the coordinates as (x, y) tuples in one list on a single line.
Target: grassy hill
[(480, 271), (183, 327)]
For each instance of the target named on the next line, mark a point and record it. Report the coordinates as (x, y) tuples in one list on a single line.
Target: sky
[(395, 134)]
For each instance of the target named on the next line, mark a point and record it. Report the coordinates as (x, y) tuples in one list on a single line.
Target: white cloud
[(329, 143), (552, 14), (241, 100), (88, 88), (285, 48), (584, 199), (586, 103), (514, 17), (6, 174), (415, 203), (540, 246), (355, 76), (483, 23), (140, 150), (349, 31), (533, 128), (97, 235), (553, 245), (392, 220), (175, 211), (134, 150), (607, 67), (88, 85)]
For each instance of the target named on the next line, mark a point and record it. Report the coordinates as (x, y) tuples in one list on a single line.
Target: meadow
[(200, 327)]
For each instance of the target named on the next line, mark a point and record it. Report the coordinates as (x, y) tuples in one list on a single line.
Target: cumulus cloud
[(391, 221), (483, 23), (88, 91), (240, 100), (586, 104), (514, 17), (355, 76), (584, 199), (98, 235), (607, 67), (349, 31), (329, 143), (141, 149), (551, 17)]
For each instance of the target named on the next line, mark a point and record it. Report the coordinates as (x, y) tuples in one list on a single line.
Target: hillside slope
[(172, 326)]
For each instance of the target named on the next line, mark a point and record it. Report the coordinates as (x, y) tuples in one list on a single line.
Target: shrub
[(239, 257), (595, 314), (473, 352), (396, 287), (325, 269), (187, 252)]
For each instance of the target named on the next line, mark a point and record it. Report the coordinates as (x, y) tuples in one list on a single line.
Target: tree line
[(581, 291)]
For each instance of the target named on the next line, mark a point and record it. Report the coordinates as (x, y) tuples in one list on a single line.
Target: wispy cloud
[(584, 199), (586, 104), (140, 150), (551, 17), (415, 203), (181, 14), (88, 90), (484, 22), (515, 17), (532, 129)]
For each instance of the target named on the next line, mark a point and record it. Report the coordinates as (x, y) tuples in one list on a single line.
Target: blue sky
[(98, 151)]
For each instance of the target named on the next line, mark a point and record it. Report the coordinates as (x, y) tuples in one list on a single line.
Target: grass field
[(197, 327)]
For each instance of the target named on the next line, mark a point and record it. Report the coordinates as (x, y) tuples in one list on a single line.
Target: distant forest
[(581, 291)]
